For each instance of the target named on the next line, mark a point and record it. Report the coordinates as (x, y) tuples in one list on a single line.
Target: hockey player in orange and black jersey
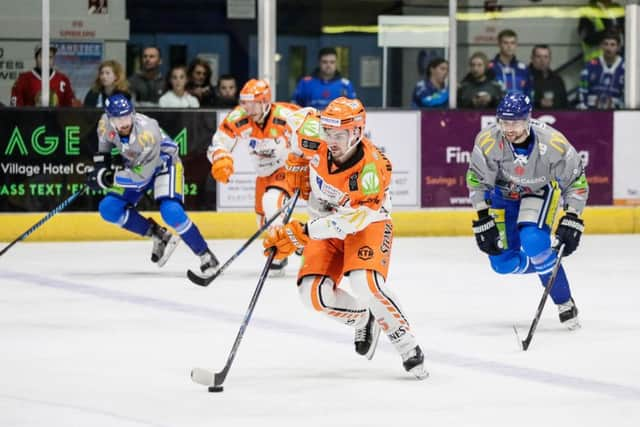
[(259, 125), (350, 231)]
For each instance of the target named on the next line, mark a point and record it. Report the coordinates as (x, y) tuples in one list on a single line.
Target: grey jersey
[(495, 164), (146, 151)]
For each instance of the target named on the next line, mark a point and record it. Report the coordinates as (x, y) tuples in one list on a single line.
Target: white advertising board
[(626, 152), (397, 134)]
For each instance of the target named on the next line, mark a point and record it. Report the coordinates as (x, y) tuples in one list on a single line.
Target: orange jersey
[(344, 199), (268, 146)]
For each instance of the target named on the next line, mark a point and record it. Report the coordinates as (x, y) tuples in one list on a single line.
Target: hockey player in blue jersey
[(146, 158), (602, 79), (324, 85), (520, 171)]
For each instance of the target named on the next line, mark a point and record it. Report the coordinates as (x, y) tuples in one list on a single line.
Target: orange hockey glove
[(222, 166), (297, 174), (286, 239)]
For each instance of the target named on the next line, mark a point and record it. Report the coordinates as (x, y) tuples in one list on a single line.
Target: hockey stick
[(547, 289), (214, 381), (62, 206), (201, 280)]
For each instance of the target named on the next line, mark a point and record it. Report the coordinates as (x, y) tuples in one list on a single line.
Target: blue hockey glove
[(487, 235), (569, 231)]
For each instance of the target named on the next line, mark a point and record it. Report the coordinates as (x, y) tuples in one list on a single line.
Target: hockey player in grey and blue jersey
[(147, 158), (520, 171)]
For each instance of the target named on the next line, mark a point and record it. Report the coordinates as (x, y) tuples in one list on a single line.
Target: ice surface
[(94, 334)]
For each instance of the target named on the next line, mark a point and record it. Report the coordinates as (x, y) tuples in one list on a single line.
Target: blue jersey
[(426, 95), (601, 86), (312, 91), (514, 76)]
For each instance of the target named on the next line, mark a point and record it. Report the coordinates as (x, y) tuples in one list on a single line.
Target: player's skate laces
[(277, 268), (208, 262), (164, 243), (413, 362), (568, 313), (366, 337)]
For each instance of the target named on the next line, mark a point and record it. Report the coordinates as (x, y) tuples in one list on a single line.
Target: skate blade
[(419, 372), (171, 246), (374, 342)]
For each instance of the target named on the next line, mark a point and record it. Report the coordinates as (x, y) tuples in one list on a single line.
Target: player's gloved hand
[(286, 239), (487, 235), (569, 231), (222, 166), (101, 176), (297, 174)]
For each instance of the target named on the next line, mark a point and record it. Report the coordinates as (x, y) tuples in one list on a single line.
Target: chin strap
[(265, 112)]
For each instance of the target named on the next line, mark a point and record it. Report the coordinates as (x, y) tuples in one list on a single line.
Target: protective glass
[(517, 126)]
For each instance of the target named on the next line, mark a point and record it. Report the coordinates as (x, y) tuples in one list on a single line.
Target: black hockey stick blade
[(205, 280)]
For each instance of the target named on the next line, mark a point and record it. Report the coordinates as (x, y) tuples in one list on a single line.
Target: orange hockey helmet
[(256, 90), (344, 113)]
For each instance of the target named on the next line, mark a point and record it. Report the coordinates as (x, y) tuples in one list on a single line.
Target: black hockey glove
[(487, 235), (101, 176), (569, 230)]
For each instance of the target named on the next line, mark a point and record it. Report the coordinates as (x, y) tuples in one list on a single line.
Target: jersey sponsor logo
[(242, 123), (365, 253), (310, 145), (397, 334), (315, 161), (369, 180), (310, 128), (235, 115)]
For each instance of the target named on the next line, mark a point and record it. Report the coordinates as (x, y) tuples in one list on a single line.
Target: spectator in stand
[(512, 74), (27, 89), (177, 96), (432, 92), (148, 85), (478, 89), (324, 85), (226, 92), (549, 90), (199, 84), (602, 79), (600, 18), (110, 80)]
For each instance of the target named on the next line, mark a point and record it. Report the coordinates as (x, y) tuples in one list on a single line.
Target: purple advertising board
[(447, 140)]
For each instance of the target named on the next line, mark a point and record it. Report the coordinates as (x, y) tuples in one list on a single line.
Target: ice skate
[(208, 263), (568, 313), (366, 337), (164, 243), (277, 268), (413, 362)]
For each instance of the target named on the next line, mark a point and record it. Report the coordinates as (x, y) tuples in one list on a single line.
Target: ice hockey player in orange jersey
[(260, 126), (350, 231)]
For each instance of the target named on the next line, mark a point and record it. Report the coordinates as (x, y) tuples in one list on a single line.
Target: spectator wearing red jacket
[(26, 91)]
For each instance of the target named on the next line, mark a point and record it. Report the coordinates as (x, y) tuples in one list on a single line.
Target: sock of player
[(135, 222)]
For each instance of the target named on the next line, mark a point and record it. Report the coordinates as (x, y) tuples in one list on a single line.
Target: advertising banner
[(396, 133), (79, 61), (626, 152), (45, 153), (447, 141)]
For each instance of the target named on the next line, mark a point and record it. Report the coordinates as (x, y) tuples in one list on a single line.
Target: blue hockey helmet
[(118, 105), (514, 106)]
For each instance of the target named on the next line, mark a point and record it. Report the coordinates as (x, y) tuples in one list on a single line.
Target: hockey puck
[(216, 389)]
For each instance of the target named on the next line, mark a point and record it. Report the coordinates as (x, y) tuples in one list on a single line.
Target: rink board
[(227, 225)]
